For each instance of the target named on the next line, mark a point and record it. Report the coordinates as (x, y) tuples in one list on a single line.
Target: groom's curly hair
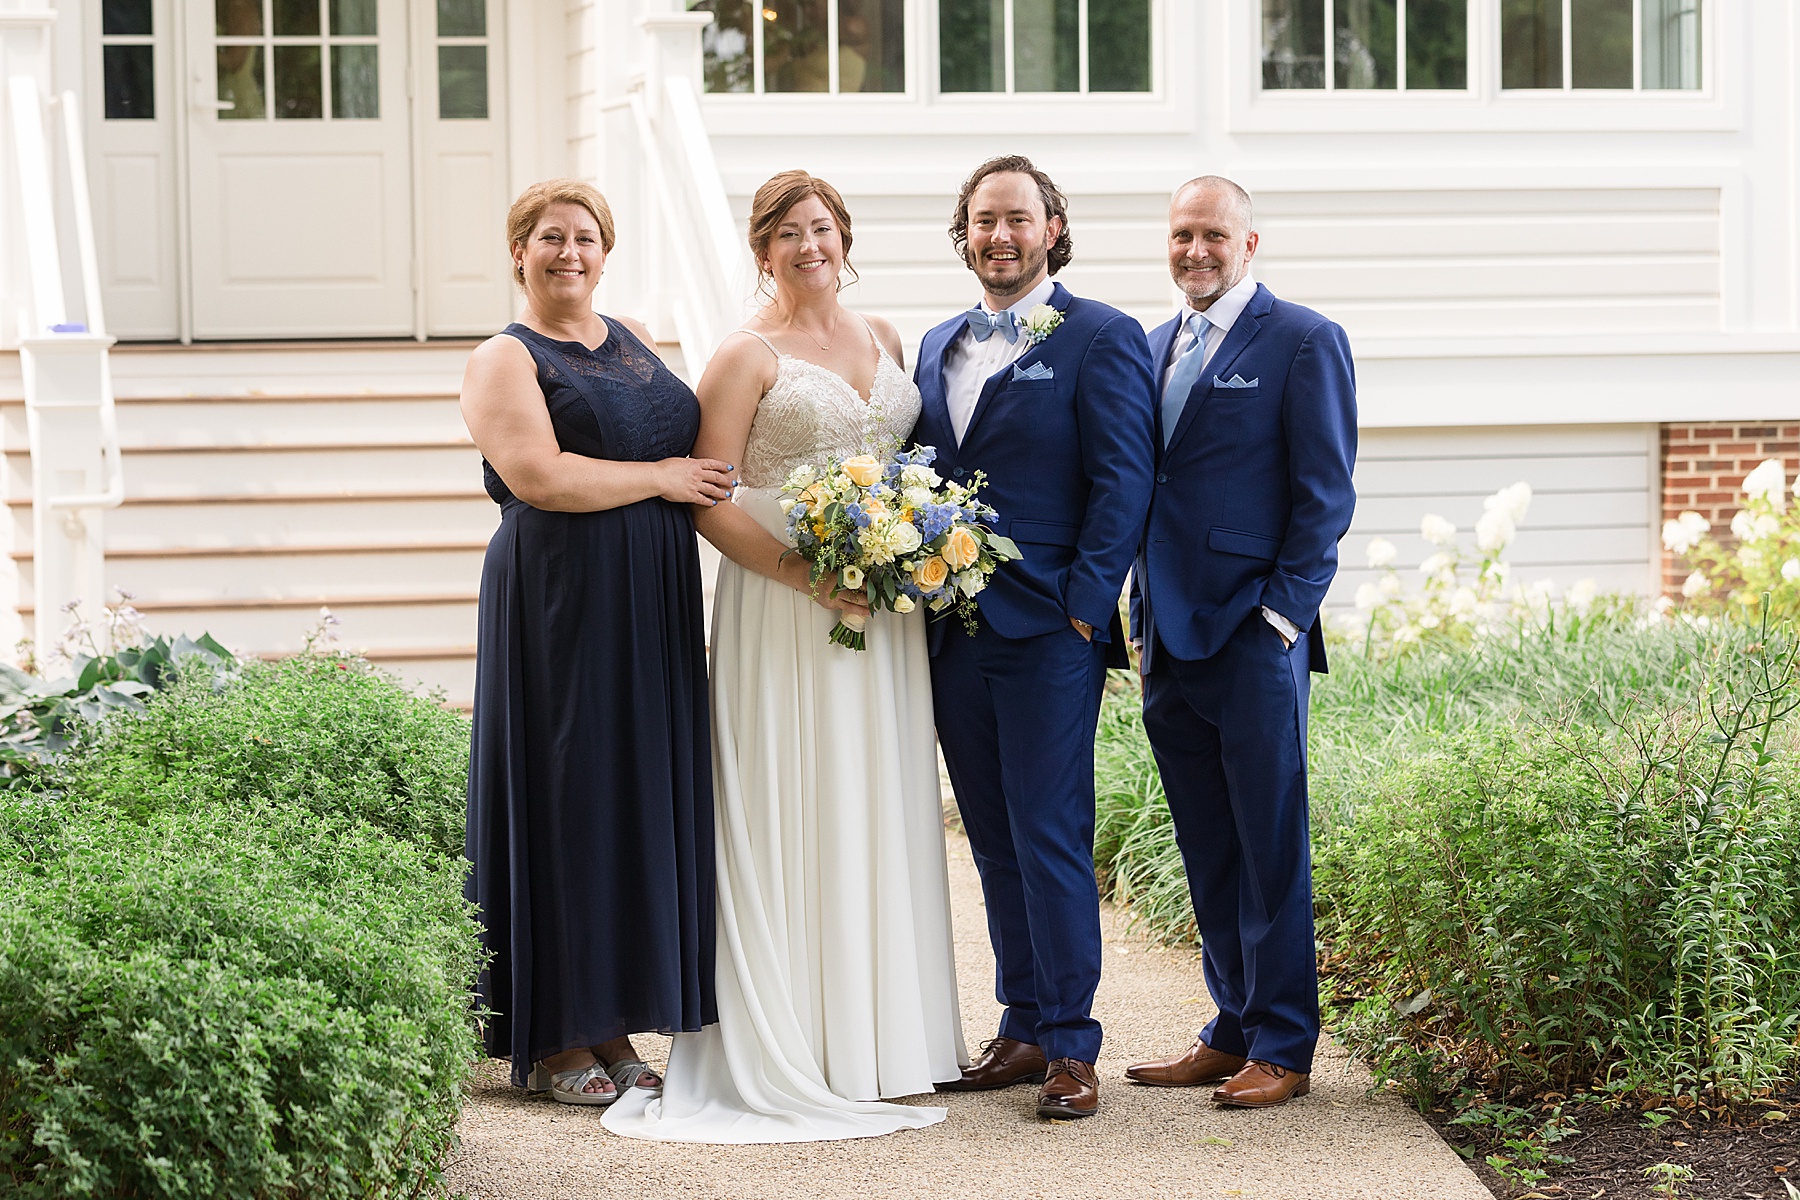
[(1055, 205)]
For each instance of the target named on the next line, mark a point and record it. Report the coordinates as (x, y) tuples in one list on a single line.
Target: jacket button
[(958, 472), (1162, 479)]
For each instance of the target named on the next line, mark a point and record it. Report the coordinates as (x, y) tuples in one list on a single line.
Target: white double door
[(344, 168)]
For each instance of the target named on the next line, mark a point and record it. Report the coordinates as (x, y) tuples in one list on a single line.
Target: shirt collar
[(1038, 295), (1227, 308)]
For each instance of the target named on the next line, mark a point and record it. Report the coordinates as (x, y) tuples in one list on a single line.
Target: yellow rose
[(863, 470), (961, 549), (874, 509), (815, 497), (931, 574)]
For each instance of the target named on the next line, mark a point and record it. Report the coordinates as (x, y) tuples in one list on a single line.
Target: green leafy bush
[(1548, 859), (235, 959)]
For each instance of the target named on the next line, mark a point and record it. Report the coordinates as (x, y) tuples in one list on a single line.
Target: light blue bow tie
[(984, 324)]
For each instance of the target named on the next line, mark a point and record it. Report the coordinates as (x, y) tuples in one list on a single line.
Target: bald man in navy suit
[(1256, 440)]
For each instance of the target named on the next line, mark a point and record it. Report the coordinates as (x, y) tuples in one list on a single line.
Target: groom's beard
[(998, 278)]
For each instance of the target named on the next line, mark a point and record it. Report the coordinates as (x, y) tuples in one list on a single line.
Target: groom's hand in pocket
[(1083, 628)]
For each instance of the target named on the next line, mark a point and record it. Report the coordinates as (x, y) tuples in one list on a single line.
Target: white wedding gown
[(836, 979)]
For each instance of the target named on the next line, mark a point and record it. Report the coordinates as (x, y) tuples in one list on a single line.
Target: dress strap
[(880, 350), (765, 341)]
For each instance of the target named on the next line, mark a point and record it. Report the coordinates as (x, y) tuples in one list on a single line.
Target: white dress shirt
[(1221, 316), (968, 363)]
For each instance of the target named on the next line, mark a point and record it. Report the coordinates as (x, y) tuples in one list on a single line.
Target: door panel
[(299, 168)]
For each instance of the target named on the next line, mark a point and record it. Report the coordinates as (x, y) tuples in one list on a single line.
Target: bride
[(836, 982)]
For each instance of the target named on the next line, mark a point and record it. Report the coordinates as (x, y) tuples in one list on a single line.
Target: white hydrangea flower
[(1513, 501), (1389, 586), (1463, 602), (1381, 553), (1790, 570), (1662, 605), (1437, 531), (1694, 585), (1750, 559), (1581, 596), (1495, 530), (1438, 567), (1684, 532), (1768, 482), (1368, 596)]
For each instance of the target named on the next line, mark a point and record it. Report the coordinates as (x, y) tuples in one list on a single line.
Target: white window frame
[(1081, 27), (909, 17), (1707, 10), (1470, 82)]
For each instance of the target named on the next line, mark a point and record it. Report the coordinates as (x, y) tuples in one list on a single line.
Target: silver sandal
[(627, 1071), (569, 1087)]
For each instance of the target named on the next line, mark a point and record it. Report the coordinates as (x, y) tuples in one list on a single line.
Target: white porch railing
[(76, 469), (689, 214)]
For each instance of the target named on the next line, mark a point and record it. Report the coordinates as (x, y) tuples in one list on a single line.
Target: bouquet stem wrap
[(849, 631)]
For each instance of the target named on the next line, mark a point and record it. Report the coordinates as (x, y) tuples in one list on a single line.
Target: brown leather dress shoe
[(1200, 1063), (1071, 1089), (1263, 1085), (1002, 1063)]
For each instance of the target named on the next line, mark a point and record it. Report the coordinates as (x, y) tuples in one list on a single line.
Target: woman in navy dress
[(590, 779)]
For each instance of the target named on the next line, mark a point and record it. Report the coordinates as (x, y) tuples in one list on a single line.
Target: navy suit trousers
[(1229, 735), (1016, 719)]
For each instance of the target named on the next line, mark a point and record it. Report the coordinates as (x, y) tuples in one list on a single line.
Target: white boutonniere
[(1041, 322)]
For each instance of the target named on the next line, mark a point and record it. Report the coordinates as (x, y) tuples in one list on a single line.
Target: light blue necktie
[(1185, 375), (984, 324)]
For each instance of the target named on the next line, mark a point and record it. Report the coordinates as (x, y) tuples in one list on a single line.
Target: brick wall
[(1704, 468)]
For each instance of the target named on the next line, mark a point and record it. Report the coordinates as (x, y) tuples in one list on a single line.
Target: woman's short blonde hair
[(529, 208)]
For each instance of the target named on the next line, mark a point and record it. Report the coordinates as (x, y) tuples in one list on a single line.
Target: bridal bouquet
[(896, 529)]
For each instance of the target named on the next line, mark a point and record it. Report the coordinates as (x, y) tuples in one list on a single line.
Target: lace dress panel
[(812, 414)]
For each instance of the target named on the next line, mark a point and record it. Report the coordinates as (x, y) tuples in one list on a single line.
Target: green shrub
[(235, 959), (1550, 859)]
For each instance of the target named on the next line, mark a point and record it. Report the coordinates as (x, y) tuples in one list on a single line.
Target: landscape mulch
[(1743, 1157)]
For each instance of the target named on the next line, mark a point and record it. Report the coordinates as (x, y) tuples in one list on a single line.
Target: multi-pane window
[(1365, 45), (462, 60), (1653, 45), (1044, 45), (127, 60), (804, 45), (296, 59)]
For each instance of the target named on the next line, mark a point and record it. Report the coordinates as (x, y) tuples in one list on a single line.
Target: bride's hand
[(695, 480), (844, 600)]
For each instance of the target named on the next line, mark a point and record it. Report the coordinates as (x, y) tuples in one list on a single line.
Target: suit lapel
[(934, 407), (1162, 339), (1243, 330), (1059, 300)]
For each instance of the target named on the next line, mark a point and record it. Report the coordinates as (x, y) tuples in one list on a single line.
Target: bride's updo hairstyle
[(771, 204), (529, 208)]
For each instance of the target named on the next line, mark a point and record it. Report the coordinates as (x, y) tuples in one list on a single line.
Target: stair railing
[(76, 468), (689, 211)]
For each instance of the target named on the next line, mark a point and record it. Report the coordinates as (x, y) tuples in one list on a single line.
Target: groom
[(1060, 424), (1256, 437)]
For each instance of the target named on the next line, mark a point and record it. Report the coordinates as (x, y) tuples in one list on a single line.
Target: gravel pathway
[(1337, 1143)]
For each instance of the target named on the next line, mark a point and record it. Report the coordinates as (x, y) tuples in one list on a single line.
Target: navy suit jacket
[(1068, 461), (1254, 489)]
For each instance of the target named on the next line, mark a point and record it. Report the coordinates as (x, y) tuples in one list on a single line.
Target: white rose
[(903, 536), (1042, 320), (919, 476), (918, 496), (1767, 482), (969, 583), (800, 476), (787, 503), (904, 603), (1495, 530), (1436, 530), (1694, 585), (1381, 553), (1513, 501), (1368, 596)]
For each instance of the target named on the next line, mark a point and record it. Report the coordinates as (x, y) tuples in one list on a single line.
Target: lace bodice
[(812, 414)]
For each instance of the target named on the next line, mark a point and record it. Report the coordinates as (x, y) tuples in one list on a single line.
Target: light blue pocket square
[(1236, 381), (1036, 370)]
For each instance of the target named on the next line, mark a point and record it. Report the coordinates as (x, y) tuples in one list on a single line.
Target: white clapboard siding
[(1591, 514)]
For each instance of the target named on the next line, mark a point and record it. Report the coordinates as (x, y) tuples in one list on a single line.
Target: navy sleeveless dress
[(590, 773)]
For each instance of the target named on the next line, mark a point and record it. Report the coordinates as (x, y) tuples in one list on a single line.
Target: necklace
[(815, 341)]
